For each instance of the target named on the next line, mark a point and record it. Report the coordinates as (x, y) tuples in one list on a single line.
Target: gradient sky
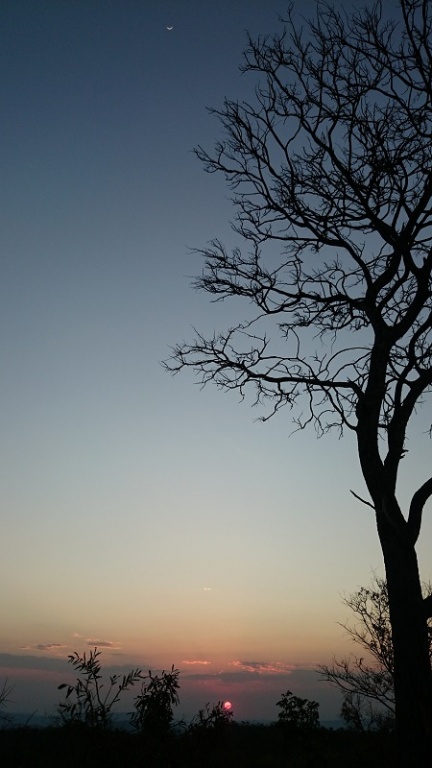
[(140, 513)]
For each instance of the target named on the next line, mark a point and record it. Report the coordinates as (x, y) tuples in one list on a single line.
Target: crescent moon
[(170, 28)]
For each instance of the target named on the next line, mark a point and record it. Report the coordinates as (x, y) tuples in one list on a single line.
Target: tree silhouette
[(367, 680), (363, 683), (331, 170), (297, 715), (85, 701)]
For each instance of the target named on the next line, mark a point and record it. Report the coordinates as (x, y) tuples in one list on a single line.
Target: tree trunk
[(412, 668)]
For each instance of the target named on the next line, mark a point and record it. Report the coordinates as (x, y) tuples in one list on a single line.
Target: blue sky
[(141, 512)]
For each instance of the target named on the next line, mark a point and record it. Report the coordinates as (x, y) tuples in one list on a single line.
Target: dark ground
[(233, 746)]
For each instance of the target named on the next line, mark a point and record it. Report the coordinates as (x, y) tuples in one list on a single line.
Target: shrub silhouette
[(85, 703), (154, 704), (215, 716), (297, 715)]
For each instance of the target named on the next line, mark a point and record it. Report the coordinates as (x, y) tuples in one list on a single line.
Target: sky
[(141, 514)]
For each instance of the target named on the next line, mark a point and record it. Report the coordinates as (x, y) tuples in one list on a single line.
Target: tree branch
[(368, 503)]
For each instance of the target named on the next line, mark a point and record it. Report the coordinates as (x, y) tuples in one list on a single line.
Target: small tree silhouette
[(367, 681), (154, 704), (214, 716), (297, 714), (84, 701)]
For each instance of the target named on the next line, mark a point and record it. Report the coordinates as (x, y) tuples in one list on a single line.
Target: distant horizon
[(120, 719), (253, 694)]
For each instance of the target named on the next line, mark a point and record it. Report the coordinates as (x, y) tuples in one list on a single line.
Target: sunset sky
[(158, 521)]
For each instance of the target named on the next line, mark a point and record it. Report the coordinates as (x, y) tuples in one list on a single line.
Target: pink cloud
[(264, 667)]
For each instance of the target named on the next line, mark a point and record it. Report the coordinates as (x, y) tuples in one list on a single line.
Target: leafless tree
[(330, 164)]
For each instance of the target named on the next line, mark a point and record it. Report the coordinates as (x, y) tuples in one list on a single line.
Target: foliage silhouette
[(331, 166), (85, 703), (154, 704), (214, 716), (297, 714)]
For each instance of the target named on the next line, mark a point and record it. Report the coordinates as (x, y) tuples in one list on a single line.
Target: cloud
[(266, 672), (101, 643), (264, 667), (195, 661), (43, 647)]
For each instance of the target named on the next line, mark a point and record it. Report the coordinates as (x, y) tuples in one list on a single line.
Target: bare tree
[(331, 170)]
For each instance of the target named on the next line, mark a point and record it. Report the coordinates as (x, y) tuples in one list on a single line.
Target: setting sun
[(227, 705)]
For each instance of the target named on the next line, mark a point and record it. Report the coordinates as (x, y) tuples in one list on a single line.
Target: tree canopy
[(332, 161)]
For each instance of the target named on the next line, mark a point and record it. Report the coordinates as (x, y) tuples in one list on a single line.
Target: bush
[(85, 703), (298, 715), (215, 716), (154, 705)]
